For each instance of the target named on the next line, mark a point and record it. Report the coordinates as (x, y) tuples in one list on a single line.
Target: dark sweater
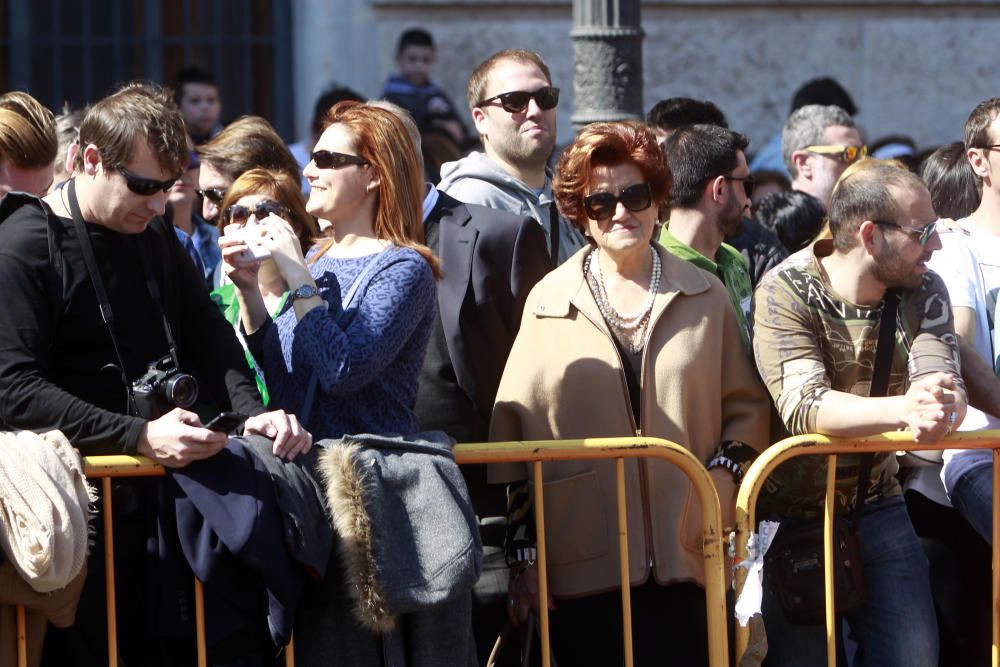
[(367, 368), (54, 347)]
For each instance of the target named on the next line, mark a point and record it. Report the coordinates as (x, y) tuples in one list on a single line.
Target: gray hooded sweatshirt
[(476, 179)]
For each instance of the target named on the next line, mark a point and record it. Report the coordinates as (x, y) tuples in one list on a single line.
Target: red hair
[(608, 145), (381, 139), (280, 187)]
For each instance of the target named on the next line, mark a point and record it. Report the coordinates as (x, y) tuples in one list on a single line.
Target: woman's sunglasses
[(602, 205), (238, 215), (332, 160), (517, 101), (144, 186)]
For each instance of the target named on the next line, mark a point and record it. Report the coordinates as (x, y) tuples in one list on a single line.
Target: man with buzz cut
[(818, 143), (817, 323), (490, 260), (709, 197), (513, 107)]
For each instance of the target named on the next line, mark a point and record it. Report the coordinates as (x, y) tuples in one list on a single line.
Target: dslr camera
[(162, 388)]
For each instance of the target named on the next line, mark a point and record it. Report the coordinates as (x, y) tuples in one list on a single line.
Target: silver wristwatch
[(303, 292)]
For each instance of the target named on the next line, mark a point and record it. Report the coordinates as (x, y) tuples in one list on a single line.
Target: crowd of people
[(299, 334)]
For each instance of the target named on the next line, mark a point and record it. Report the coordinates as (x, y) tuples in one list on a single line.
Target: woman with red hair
[(344, 350), (624, 339)]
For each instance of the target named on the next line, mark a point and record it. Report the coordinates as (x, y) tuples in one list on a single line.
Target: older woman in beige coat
[(625, 339)]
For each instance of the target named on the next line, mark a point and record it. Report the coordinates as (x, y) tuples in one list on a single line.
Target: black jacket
[(490, 259), (760, 248), (55, 350)]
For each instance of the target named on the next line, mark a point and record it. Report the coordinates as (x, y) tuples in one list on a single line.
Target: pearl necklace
[(631, 327)]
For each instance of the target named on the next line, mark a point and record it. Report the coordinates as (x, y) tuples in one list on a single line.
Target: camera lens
[(181, 390)]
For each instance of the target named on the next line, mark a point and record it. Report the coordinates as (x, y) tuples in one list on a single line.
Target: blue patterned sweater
[(366, 361)]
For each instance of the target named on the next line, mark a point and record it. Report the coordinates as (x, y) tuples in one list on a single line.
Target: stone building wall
[(914, 67)]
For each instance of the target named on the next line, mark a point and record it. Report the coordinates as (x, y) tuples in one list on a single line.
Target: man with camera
[(107, 333), (61, 366)]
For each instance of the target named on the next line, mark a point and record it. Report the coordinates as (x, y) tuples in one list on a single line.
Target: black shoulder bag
[(794, 561)]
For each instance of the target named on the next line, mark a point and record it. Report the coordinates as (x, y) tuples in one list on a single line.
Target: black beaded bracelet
[(732, 466)]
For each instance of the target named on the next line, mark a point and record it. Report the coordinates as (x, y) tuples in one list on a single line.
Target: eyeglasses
[(144, 186), (239, 215), (989, 147), (923, 234), (332, 160), (748, 183), (517, 101), (602, 205), (214, 195), (840, 152)]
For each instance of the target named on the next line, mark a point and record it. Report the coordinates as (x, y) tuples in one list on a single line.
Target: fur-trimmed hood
[(408, 536)]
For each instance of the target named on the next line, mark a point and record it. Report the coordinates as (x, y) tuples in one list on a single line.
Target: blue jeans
[(896, 627), (972, 496)]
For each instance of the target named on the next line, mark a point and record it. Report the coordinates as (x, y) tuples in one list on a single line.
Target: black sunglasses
[(239, 215), (923, 234), (214, 195), (144, 186), (602, 205), (748, 183), (332, 160), (517, 101)]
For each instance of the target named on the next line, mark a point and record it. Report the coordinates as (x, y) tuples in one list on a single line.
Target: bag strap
[(885, 345), (345, 302), (884, 349)]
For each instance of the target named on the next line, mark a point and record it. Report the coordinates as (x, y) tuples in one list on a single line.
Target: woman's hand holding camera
[(240, 266), (280, 240)]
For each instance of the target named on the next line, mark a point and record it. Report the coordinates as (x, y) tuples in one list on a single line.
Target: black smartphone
[(226, 422)]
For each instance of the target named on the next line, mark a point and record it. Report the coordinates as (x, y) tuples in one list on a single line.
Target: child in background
[(413, 89), (197, 97)]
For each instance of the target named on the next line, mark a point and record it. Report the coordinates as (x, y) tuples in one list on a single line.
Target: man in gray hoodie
[(513, 107)]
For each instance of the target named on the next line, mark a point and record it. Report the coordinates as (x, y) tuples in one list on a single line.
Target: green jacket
[(729, 267), (225, 299)]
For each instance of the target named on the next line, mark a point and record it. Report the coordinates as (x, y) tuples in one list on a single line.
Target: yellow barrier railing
[(108, 467), (618, 449), (806, 445)]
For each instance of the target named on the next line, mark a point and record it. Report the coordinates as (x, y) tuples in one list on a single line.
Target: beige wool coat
[(564, 379)]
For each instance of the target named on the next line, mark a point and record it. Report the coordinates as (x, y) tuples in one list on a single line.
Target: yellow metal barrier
[(805, 445), (619, 449)]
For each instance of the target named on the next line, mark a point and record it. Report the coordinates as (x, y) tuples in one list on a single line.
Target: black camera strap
[(154, 292), (107, 315), (95, 278)]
